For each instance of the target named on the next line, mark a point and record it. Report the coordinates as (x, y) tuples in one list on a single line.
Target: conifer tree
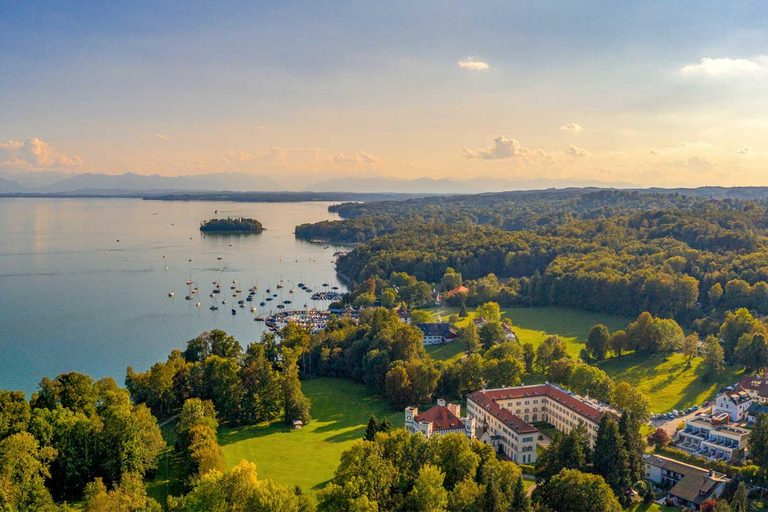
[(371, 429)]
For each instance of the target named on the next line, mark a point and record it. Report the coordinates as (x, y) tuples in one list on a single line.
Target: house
[(437, 333), (712, 437), (755, 409), (403, 314), (735, 401), (505, 414), (756, 387), (441, 419), (442, 297), (689, 486), (508, 332), (479, 321)]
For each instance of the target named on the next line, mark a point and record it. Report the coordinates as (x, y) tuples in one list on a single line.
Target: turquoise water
[(74, 298)]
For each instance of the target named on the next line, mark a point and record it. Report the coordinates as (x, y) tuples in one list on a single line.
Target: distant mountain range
[(131, 184)]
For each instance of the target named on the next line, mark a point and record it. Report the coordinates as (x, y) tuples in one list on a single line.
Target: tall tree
[(758, 443), (714, 358), (629, 428), (611, 460), (598, 341), (428, 493), (574, 491)]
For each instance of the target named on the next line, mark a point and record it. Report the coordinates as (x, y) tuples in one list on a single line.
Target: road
[(670, 426)]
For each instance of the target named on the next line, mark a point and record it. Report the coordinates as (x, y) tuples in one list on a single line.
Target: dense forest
[(607, 251), (231, 225)]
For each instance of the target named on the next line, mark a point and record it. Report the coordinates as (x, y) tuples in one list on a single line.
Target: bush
[(528, 469), (682, 456)]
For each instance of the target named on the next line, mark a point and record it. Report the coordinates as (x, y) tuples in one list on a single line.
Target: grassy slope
[(669, 383), (308, 457), (170, 475)]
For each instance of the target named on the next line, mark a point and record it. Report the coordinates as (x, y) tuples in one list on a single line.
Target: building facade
[(441, 419), (735, 402), (504, 415), (437, 333), (689, 486), (712, 437)]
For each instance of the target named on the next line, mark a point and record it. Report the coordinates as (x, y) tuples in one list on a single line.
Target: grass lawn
[(170, 476), (533, 325), (527, 483), (669, 383), (308, 457), (652, 507), (452, 351)]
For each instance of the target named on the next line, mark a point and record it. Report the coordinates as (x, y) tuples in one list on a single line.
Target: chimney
[(455, 409), (440, 402)]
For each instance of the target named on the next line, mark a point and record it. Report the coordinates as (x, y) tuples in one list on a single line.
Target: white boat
[(198, 304), (170, 294)]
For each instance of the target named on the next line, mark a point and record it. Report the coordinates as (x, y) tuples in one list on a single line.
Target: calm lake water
[(83, 283)]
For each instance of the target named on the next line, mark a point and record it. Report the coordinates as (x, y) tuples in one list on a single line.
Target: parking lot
[(670, 425)]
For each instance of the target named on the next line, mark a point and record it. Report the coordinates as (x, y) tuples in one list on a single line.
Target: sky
[(650, 93)]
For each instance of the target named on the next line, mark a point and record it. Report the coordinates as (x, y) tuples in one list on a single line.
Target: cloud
[(572, 127), (473, 64), (654, 152), (723, 67), (576, 151), (694, 145), (699, 164), (503, 148), (158, 136), (743, 151), (34, 154), (355, 158)]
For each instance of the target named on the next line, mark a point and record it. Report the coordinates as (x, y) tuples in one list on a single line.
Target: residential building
[(437, 333), (713, 437), (504, 414), (689, 486), (755, 409), (735, 401), (756, 387), (441, 419), (403, 314), (480, 321), (509, 332)]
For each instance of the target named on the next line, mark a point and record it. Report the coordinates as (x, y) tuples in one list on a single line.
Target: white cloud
[(694, 145), (503, 148), (572, 127), (724, 67), (34, 154), (160, 136), (743, 151), (354, 158), (576, 151), (473, 64)]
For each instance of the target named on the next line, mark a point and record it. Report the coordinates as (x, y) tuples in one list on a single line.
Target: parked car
[(705, 404), (688, 411), (695, 407)]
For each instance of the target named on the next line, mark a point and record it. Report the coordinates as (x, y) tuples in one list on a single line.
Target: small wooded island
[(232, 225)]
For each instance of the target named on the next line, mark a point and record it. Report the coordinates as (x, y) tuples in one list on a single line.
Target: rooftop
[(441, 417), (437, 329)]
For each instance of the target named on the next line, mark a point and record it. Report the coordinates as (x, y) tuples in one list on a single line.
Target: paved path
[(169, 420)]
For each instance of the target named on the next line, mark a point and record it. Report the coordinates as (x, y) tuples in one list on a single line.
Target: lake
[(84, 285)]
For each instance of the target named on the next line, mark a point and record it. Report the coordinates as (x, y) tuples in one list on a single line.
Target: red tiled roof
[(504, 415), (458, 289), (547, 390), (441, 418)]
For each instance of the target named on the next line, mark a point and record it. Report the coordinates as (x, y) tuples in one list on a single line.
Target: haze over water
[(66, 304)]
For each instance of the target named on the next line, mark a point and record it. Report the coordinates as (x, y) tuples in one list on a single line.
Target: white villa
[(735, 402), (441, 419)]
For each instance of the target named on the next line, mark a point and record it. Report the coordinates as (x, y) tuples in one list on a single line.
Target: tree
[(451, 279), (626, 398), (629, 428), (23, 471), (690, 347), (560, 371), (552, 349), (397, 387), (618, 342), (503, 372), (420, 316), (490, 311), (468, 336), (389, 298), (714, 294), (295, 404), (428, 493), (129, 495), (463, 310), (574, 491), (529, 356), (713, 360), (194, 412), (371, 428), (520, 500), (598, 341), (611, 460), (659, 438), (665, 335), (739, 503), (758, 443), (736, 324), (752, 351), (239, 490), (491, 334)]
